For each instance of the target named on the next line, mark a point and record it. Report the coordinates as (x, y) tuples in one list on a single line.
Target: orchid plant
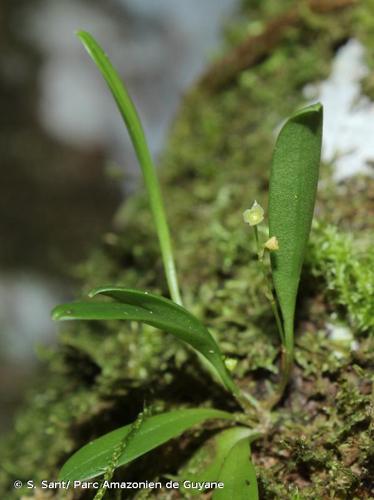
[(293, 184)]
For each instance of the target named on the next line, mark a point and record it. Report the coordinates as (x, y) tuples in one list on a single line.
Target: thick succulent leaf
[(238, 475), (155, 311), (206, 464), (293, 185), (93, 459)]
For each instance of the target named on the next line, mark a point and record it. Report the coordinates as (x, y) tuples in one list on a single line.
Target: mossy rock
[(216, 164)]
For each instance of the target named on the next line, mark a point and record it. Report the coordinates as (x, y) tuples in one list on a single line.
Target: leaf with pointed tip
[(155, 311), (293, 185), (206, 464), (93, 459), (238, 474), (132, 121)]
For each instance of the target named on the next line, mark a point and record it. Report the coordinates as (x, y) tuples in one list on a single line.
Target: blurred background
[(66, 162)]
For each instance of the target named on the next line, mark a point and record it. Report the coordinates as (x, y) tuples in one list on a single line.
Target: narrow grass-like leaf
[(238, 474), (92, 460), (156, 311), (206, 464), (135, 129), (293, 185)]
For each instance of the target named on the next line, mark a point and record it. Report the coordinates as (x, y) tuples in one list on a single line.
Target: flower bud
[(272, 244), (231, 364)]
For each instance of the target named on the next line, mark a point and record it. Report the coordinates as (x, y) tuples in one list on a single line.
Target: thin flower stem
[(272, 298), (287, 347)]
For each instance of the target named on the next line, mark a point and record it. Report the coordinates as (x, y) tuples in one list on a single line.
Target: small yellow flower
[(272, 244), (254, 215)]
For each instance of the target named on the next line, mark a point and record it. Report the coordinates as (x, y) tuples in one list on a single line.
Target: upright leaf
[(206, 464), (293, 185), (238, 474), (92, 460), (155, 311), (130, 116)]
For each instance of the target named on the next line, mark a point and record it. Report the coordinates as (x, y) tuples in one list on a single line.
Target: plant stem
[(286, 334), (271, 295), (253, 409), (286, 368), (247, 401), (287, 355)]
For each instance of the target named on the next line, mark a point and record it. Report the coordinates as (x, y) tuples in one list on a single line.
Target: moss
[(216, 164), (325, 450), (345, 265)]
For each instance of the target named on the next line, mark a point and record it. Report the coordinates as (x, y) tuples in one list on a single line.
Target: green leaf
[(92, 460), (238, 474), (130, 116), (155, 311), (293, 185), (206, 464)]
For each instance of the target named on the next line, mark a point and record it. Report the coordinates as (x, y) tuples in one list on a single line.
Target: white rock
[(348, 115)]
